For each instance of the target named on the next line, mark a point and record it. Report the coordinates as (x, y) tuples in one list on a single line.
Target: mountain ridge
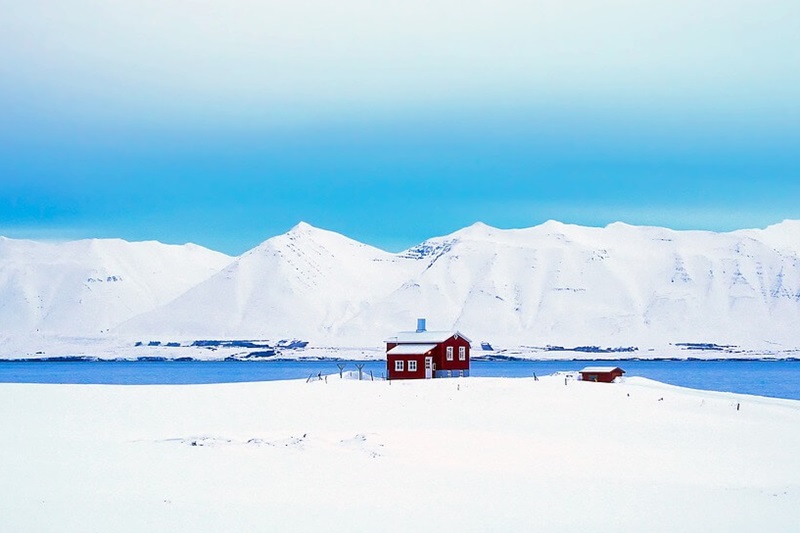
[(551, 284), (548, 284)]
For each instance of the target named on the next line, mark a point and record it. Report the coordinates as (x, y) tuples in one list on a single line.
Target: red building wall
[(440, 355), (405, 374), (601, 377)]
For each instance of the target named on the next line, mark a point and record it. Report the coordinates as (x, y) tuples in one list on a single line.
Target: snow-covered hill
[(83, 288), (308, 283), (550, 284)]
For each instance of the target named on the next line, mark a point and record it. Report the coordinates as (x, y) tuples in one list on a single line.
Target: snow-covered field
[(473, 454)]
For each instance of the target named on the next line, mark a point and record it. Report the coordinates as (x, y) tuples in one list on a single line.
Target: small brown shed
[(601, 374)]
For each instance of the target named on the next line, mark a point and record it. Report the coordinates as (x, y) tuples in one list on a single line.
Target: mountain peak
[(552, 225), (303, 237), (786, 224), (302, 227), (477, 229), (304, 230), (478, 225), (620, 225)]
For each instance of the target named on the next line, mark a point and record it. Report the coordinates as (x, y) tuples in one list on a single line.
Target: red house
[(601, 374), (423, 354)]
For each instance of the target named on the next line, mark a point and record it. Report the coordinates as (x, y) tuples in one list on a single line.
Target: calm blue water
[(780, 379)]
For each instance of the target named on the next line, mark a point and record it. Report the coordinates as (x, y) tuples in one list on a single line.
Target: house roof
[(411, 349), (407, 337), (601, 369)]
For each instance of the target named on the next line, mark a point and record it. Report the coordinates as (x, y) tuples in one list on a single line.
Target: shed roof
[(406, 337), (601, 369), (411, 349)]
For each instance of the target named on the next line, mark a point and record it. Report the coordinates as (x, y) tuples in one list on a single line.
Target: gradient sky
[(225, 123)]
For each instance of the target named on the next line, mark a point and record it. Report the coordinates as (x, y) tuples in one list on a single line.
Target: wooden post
[(341, 367), (360, 372)]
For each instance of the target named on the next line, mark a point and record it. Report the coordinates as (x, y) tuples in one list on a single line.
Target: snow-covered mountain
[(308, 283), (564, 284), (553, 284), (83, 288), (550, 284), (784, 236)]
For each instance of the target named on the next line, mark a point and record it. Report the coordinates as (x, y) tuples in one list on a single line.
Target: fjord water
[(780, 379)]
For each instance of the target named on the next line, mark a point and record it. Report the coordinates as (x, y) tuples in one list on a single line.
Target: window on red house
[(462, 353), (449, 353), (398, 365), (412, 366)]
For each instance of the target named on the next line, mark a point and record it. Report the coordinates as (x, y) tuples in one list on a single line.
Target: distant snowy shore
[(470, 454), (90, 349)]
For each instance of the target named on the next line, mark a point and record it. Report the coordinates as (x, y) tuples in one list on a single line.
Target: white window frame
[(449, 353), (412, 365), (462, 353), (398, 365)]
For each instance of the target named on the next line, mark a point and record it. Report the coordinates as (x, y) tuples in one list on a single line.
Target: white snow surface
[(411, 349), (471, 454), (598, 369), (553, 284)]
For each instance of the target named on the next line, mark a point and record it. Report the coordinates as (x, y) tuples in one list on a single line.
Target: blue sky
[(227, 123)]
